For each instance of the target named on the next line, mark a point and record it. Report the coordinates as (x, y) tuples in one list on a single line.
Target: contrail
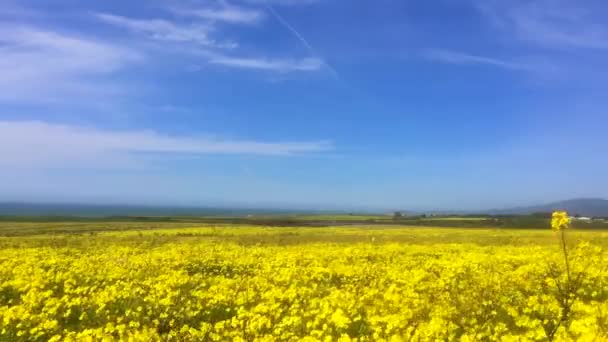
[(301, 39)]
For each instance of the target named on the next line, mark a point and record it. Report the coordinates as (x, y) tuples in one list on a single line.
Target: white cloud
[(280, 65), (63, 53), (42, 65), (284, 2), (200, 35), (41, 144), (302, 40), (455, 57), (224, 13), (159, 29), (548, 23), (39, 64)]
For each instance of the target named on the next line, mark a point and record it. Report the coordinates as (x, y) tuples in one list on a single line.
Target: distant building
[(581, 218)]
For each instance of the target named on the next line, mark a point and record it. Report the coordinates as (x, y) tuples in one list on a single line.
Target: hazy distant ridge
[(581, 206)]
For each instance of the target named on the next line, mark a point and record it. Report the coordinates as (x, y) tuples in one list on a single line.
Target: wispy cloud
[(284, 2), (301, 38), (555, 24), (280, 65), (210, 49), (224, 12), (36, 143), (159, 29), (41, 64), (456, 57)]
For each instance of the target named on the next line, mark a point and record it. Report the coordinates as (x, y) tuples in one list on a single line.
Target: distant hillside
[(583, 206)]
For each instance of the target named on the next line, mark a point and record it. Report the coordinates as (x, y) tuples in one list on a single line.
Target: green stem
[(565, 250)]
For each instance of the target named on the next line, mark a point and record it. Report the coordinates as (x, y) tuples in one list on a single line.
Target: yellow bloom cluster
[(560, 220), (206, 287)]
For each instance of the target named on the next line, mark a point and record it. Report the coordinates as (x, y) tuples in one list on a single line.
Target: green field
[(162, 232)]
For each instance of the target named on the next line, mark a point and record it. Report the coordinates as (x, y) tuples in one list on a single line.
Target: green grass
[(72, 234), (455, 218), (330, 218)]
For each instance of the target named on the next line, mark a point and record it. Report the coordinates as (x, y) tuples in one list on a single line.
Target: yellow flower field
[(306, 284)]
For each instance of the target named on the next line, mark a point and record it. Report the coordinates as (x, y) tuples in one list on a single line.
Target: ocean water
[(90, 210)]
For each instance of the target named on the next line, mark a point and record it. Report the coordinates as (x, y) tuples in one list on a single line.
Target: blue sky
[(460, 104)]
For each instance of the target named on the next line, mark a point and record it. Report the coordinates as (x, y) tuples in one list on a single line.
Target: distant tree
[(542, 214), (397, 215)]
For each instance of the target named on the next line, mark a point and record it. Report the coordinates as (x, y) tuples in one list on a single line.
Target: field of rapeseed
[(307, 284)]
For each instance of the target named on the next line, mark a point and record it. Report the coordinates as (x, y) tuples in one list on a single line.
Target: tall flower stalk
[(560, 221)]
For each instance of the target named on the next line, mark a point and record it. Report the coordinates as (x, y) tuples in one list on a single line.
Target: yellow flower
[(340, 319), (560, 220), (165, 287)]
